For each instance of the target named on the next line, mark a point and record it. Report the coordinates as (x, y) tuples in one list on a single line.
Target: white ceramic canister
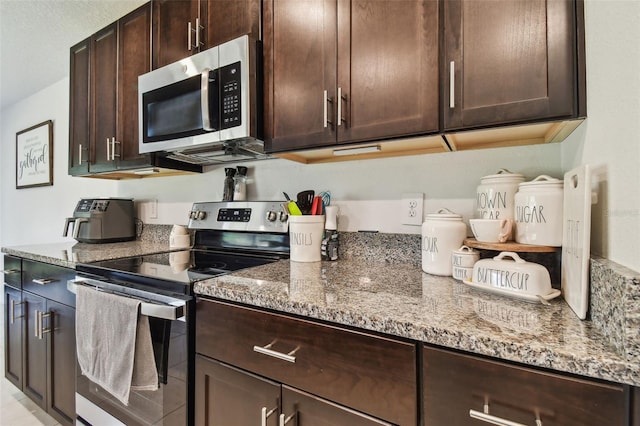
[(442, 233), (539, 212), (495, 195)]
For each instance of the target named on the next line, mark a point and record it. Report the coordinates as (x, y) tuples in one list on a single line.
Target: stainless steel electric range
[(228, 236)]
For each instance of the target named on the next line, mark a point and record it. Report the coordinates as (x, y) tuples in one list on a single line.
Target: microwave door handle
[(204, 100)]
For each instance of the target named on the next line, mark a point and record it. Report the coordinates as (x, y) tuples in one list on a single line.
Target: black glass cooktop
[(174, 269)]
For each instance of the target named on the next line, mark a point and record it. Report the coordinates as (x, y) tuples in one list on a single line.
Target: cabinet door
[(134, 59), (62, 361), (224, 20), (227, 396), (104, 71), (455, 384), (300, 68), (387, 68), (13, 312), (171, 39), (303, 409), (510, 60), (79, 108), (34, 351)]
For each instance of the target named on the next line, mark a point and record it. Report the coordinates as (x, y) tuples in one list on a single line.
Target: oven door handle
[(155, 310)]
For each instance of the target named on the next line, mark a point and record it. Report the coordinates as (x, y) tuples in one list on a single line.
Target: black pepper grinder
[(227, 193)]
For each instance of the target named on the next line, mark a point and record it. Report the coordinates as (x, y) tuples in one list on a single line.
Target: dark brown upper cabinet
[(184, 27), (345, 71), (510, 62), (104, 95)]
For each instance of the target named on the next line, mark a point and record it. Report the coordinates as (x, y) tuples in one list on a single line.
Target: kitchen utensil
[(576, 234), (538, 214), (316, 206), (442, 233), (305, 200), (491, 230), (516, 277), (292, 207)]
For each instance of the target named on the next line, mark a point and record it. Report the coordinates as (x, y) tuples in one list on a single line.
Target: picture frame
[(34, 156)]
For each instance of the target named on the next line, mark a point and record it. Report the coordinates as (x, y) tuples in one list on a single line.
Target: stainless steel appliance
[(102, 220), (228, 236), (205, 109)]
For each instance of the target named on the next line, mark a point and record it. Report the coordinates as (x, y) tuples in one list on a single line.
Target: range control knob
[(192, 214), (283, 217), (272, 216), (200, 215)]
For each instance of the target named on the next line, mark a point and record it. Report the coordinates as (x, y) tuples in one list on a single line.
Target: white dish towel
[(113, 343)]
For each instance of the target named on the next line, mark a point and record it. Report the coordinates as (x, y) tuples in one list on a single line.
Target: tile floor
[(15, 408)]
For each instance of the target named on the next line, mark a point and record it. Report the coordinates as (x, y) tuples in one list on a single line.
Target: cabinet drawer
[(49, 281), (455, 384), (13, 271), (371, 374)]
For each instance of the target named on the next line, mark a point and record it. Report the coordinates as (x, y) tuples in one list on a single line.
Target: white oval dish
[(516, 278)]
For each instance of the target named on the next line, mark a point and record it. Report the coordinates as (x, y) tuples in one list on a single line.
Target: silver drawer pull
[(10, 271), (44, 281), (494, 420), (284, 420), (265, 350), (39, 328), (13, 316), (265, 415)]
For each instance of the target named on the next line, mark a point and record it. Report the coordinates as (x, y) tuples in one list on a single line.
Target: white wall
[(609, 141), (33, 215), (369, 191)]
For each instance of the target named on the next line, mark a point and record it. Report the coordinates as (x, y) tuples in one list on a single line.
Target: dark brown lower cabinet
[(327, 375), (460, 388), (40, 342), (13, 335), (50, 359), (228, 396)]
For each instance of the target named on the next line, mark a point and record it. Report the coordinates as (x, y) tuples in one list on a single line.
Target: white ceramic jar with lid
[(495, 195), (442, 232), (539, 212)]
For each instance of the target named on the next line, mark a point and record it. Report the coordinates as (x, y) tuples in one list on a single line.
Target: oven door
[(168, 405)]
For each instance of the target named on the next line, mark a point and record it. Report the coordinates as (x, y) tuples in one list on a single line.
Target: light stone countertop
[(401, 300), (69, 254)]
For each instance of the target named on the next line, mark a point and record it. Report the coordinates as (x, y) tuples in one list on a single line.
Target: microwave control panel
[(230, 96)]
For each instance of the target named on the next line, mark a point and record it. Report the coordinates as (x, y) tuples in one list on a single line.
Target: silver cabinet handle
[(198, 32), (452, 84), (113, 148), (108, 153), (12, 317), (44, 281), (340, 119), (284, 420), (10, 271), (79, 154), (265, 415), (494, 420), (325, 101), (39, 329), (189, 35), (265, 350)]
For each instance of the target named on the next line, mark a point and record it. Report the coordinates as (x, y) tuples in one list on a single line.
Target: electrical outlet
[(411, 211), (153, 208)]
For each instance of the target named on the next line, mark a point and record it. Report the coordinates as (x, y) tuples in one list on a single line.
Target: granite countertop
[(71, 253), (401, 300)]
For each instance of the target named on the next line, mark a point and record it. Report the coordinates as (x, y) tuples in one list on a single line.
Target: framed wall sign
[(34, 156)]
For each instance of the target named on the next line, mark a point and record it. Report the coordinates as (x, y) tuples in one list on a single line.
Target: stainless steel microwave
[(206, 108)]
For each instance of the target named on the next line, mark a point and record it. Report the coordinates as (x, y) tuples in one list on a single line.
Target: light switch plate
[(411, 208)]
